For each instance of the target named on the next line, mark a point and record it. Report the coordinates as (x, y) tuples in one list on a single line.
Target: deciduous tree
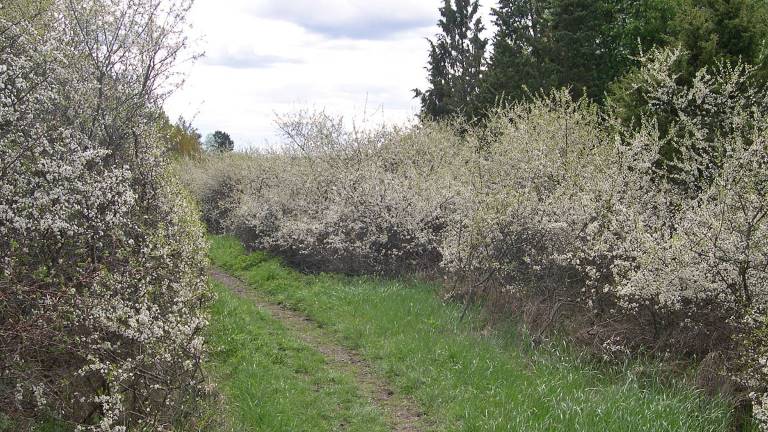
[(219, 142)]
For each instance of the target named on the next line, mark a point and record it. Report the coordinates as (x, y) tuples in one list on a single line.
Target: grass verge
[(467, 379)]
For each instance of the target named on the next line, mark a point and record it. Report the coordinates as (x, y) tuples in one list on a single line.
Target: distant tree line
[(589, 46), (183, 139)]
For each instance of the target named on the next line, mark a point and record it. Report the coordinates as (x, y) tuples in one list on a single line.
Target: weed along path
[(401, 413)]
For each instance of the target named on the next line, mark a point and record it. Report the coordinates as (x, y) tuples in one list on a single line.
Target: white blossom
[(103, 261)]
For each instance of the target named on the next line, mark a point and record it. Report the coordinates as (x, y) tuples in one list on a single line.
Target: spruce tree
[(219, 142), (713, 31), (545, 44), (519, 60), (456, 61), (581, 45)]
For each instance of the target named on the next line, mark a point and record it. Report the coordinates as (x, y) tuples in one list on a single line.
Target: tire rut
[(402, 413)]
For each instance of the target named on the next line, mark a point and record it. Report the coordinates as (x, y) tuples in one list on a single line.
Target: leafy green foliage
[(182, 138), (587, 45), (518, 61), (541, 45), (715, 31), (581, 47)]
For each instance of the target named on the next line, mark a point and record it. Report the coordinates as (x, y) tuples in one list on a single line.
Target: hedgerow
[(652, 231), (351, 201), (102, 257)]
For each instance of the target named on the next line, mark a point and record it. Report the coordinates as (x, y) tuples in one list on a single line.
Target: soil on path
[(402, 413)]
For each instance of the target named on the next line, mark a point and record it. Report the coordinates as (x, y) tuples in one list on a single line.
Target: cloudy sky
[(356, 58)]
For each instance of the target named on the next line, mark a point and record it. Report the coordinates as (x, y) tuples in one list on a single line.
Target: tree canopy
[(589, 46), (219, 142), (181, 138)]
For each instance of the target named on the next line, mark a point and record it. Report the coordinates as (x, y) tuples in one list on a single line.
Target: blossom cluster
[(102, 257), (657, 224)]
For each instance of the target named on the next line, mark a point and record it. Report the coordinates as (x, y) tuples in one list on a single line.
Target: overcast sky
[(356, 58)]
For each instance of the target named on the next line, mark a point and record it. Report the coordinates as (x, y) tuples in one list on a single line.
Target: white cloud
[(247, 59), (352, 18)]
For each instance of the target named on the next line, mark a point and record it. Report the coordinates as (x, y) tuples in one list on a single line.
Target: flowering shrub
[(331, 199), (654, 229), (529, 189), (102, 265), (689, 229)]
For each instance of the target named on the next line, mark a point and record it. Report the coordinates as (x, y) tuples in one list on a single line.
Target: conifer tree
[(581, 45), (721, 30), (456, 61), (545, 44), (219, 141), (519, 59)]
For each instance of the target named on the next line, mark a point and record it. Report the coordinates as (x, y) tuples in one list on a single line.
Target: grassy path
[(464, 376), (271, 381), (401, 413)]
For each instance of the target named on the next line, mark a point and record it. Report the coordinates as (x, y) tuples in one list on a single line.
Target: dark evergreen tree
[(710, 32), (456, 61), (721, 30), (581, 45), (545, 44), (587, 45), (639, 25), (519, 60)]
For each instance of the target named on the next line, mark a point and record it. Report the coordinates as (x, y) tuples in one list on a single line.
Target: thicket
[(102, 258), (553, 207)]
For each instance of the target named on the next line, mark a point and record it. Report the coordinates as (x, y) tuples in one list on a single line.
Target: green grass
[(470, 380), (271, 381)]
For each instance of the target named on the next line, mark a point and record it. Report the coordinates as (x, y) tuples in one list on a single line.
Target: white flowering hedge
[(333, 199), (102, 259), (655, 231)]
